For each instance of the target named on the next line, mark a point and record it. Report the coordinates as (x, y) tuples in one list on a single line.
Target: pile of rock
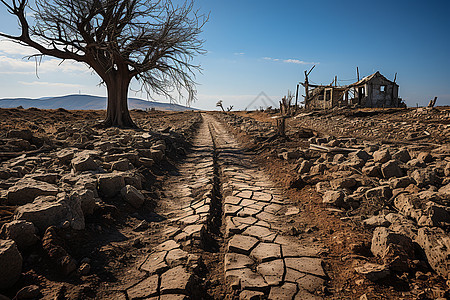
[(89, 169)]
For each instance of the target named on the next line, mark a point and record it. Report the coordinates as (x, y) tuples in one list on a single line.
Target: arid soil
[(349, 204)]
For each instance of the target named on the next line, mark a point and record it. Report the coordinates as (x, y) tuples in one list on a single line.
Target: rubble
[(11, 262)]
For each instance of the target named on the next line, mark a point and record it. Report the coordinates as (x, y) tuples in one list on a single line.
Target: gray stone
[(336, 198), (26, 190), (436, 244), (10, 262), (110, 184), (373, 272), (22, 232), (391, 169), (146, 288), (131, 195)]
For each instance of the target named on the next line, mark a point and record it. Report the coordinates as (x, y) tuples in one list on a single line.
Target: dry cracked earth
[(347, 205)]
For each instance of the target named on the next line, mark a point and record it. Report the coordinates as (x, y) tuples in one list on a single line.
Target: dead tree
[(153, 42), (432, 102), (220, 104)]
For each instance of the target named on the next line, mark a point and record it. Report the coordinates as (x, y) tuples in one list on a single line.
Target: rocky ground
[(350, 204)]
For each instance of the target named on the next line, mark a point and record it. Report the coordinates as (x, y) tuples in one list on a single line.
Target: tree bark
[(117, 113)]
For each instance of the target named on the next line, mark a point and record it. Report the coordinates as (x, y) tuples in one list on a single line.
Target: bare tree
[(220, 104), (152, 41)]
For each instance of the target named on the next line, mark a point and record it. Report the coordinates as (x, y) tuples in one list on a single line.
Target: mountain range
[(86, 102)]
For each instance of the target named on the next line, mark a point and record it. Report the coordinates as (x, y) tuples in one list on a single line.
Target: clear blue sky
[(256, 46)]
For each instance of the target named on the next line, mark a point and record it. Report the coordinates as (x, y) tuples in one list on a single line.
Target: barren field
[(348, 204)]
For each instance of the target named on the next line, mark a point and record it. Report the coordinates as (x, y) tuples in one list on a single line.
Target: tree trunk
[(117, 113)]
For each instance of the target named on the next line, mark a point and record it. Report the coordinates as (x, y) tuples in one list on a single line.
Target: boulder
[(383, 237), (304, 167), (361, 154), (382, 156), (110, 184), (86, 198), (424, 177), (83, 162), (402, 182), (405, 205), (445, 190), (425, 157), (48, 211), (373, 272), (10, 262), (24, 134), (22, 232), (376, 221), (26, 190), (372, 170), (391, 169), (53, 245), (436, 244), (66, 155), (435, 215), (341, 183), (121, 165), (132, 196)]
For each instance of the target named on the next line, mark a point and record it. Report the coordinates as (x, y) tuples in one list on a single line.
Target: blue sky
[(265, 46)]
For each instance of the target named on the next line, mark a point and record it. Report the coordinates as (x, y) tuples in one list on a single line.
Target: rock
[(83, 162), (22, 232), (425, 157), (381, 156), (48, 211), (436, 244), (381, 193), (402, 155), (23, 134), (242, 244), (322, 187), (304, 167), (336, 198), (383, 237), (86, 198), (53, 245), (391, 169), (110, 184), (445, 190), (424, 177), (66, 155), (402, 182), (361, 154), (10, 262), (26, 190), (341, 183), (84, 269), (376, 221), (28, 292), (373, 272), (372, 171), (146, 288), (157, 155), (447, 170), (146, 162), (132, 196), (405, 204), (121, 165), (317, 169), (251, 295), (176, 280), (435, 215)]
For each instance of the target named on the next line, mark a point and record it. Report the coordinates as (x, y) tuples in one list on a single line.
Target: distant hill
[(86, 102)]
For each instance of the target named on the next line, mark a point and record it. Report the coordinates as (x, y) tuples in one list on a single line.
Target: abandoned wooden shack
[(372, 91)]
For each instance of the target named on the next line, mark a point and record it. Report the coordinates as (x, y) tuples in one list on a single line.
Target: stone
[(110, 184), (402, 182), (447, 170), (157, 155), (242, 244), (436, 215), (22, 232), (265, 252), (146, 162), (176, 280), (121, 165), (307, 265), (381, 156), (86, 198), (361, 154), (272, 271), (391, 169), (322, 187), (262, 233), (66, 155), (445, 190), (286, 291), (424, 176), (237, 261), (167, 246), (146, 288), (402, 155), (381, 193), (131, 195), (376, 221), (10, 262), (372, 171), (176, 257), (336, 198), (341, 183), (373, 272), (48, 211), (26, 190), (304, 167), (436, 244), (425, 157), (383, 237), (24, 134), (83, 162), (405, 204)]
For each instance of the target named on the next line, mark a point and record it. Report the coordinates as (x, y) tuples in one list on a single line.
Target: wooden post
[(306, 91), (296, 99), (357, 73)]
